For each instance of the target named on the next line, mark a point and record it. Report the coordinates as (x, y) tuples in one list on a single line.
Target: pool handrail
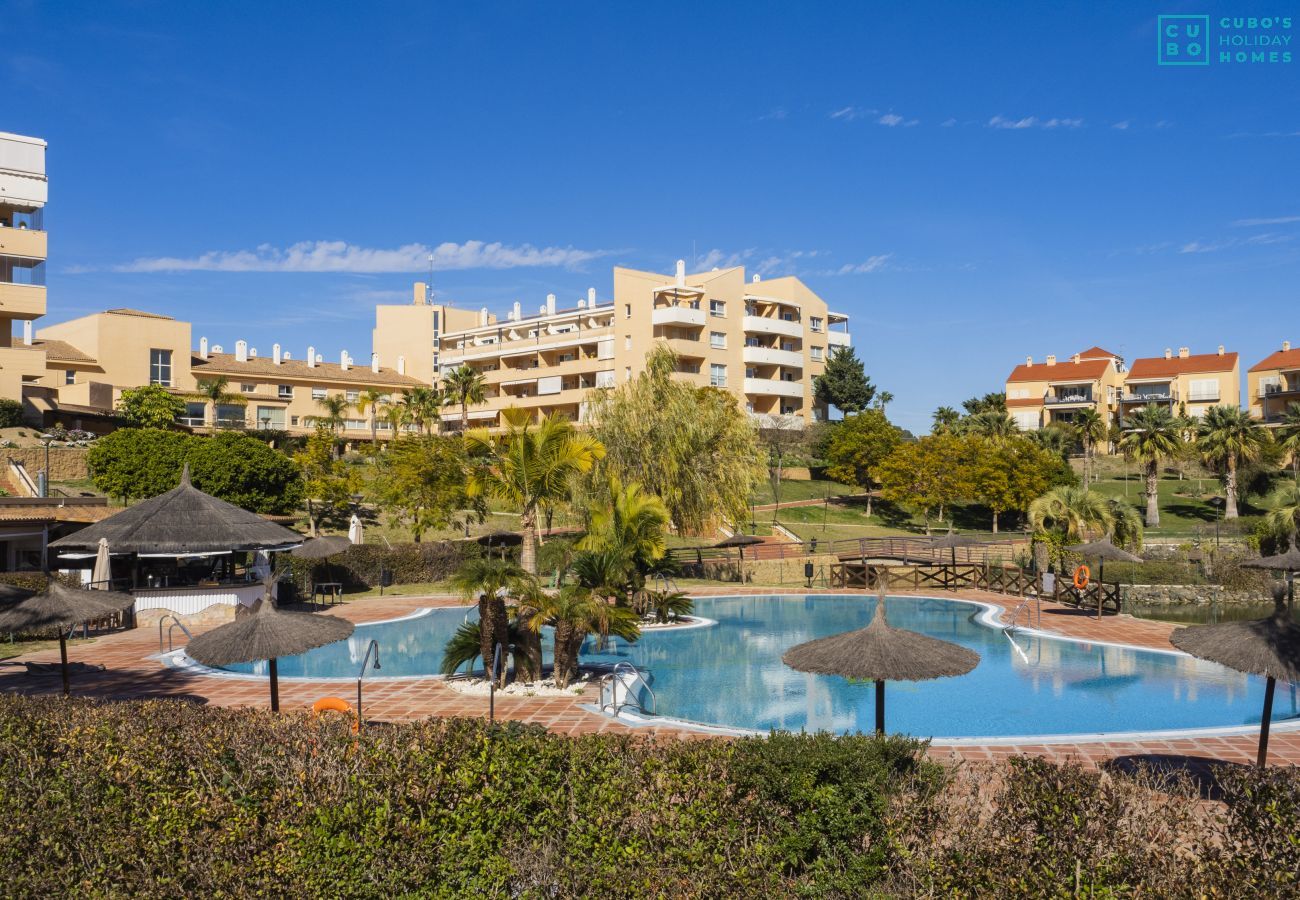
[(626, 668), (176, 623), (365, 661)]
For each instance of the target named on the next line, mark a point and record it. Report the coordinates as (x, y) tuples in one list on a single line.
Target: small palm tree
[(1283, 517), (1288, 438), (992, 424), (529, 466), (214, 393), (1092, 430), (488, 581), (371, 400), (335, 407), (463, 387), (1072, 512), (606, 573), (1151, 436), (946, 420), (883, 399), (632, 524), (1126, 524), (575, 613), (669, 605), (1228, 435)]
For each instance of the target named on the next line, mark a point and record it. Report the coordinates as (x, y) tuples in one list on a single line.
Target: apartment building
[(1273, 384), (1187, 383), (91, 359), (24, 191), (410, 334), (764, 340), (1045, 393)]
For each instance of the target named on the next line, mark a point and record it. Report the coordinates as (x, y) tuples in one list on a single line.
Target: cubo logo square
[(1183, 40)]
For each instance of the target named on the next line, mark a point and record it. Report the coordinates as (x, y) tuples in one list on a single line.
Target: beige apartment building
[(1188, 383), (1048, 392), (90, 360), (1273, 384), (764, 340), (24, 191)]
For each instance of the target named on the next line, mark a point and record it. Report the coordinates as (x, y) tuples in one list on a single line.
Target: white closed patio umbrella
[(355, 533), (102, 575)]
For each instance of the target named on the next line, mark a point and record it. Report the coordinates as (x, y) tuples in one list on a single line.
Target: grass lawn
[(802, 490)]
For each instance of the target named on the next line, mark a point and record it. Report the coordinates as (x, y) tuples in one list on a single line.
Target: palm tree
[(463, 387), (1288, 437), (334, 405), (419, 407), (574, 613), (1151, 436), (488, 581), (883, 399), (1283, 517), (632, 524), (992, 424), (946, 420), (606, 573), (213, 391), (1092, 430), (1126, 524), (1072, 512), (529, 466), (1229, 435), (372, 400)]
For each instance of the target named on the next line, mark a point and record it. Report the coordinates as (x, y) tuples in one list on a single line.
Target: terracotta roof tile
[(225, 364), (1281, 359), (1159, 367), (1062, 371), (61, 350), (1098, 353), (126, 311)]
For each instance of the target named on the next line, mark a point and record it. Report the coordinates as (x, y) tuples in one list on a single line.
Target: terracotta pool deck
[(132, 670)]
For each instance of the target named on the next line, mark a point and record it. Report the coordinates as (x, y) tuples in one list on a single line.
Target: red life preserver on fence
[(337, 704), (1081, 576)]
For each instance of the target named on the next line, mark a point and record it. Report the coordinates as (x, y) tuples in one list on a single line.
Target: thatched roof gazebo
[(58, 609), (267, 633), (1266, 647), (952, 542), (881, 653), (1287, 563)]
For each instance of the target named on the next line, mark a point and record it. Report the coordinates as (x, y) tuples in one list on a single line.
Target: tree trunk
[(868, 499), (493, 629), (210, 411), (926, 515), (1230, 489), (995, 521), (563, 663), (464, 416), (528, 647), (528, 552), (311, 519), (1153, 495)]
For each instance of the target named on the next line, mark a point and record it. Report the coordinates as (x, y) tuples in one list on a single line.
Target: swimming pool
[(730, 674)]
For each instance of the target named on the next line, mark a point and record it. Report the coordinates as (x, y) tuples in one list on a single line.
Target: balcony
[(766, 325), (1068, 399), (768, 356), (1279, 390), (21, 301), (23, 242), (454, 356), (678, 315), (838, 338), (1144, 397), (686, 349), (771, 387)]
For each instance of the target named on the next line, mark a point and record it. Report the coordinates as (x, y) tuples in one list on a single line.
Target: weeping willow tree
[(693, 447)]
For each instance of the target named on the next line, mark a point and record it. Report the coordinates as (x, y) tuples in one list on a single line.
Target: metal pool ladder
[(176, 623), (613, 704)]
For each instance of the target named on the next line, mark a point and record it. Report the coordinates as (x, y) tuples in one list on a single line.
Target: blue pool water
[(731, 673)]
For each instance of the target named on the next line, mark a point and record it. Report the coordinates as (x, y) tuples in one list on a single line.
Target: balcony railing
[(1151, 397), (1067, 399)]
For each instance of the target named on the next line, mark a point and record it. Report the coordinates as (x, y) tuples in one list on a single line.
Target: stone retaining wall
[(1188, 594), (66, 463)]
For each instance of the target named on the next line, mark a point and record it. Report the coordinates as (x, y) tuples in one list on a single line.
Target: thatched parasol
[(181, 521), (1101, 551), (1268, 647), (1288, 562), (953, 541), (881, 653), (267, 634), (59, 608), (740, 542), (321, 547)]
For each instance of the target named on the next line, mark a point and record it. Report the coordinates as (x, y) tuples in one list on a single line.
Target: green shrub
[(11, 413), (359, 565)]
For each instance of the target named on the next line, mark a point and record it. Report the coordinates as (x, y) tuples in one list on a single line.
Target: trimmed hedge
[(165, 798), (359, 565)]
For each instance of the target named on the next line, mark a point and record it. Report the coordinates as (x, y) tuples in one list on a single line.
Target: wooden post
[(880, 707), (63, 657), (275, 687), (1264, 723)]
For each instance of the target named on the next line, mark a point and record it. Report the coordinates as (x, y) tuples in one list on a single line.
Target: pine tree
[(844, 384)]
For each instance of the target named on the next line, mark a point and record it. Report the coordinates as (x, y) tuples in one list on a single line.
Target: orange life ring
[(337, 704), (1081, 576)]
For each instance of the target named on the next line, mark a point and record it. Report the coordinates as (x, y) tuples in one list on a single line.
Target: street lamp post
[(46, 439)]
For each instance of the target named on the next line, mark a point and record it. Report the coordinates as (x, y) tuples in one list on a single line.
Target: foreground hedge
[(163, 798)]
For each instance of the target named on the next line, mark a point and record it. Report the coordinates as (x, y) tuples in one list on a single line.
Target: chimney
[(1029, 360), (1051, 360), (345, 361), (27, 332), (241, 351), (681, 273), (252, 353), (276, 356), (582, 303), (756, 279), (216, 348), (483, 316), (287, 356), (518, 311), (1075, 359), (374, 362), (591, 296), (203, 348), (1286, 345), (1220, 349), (311, 357), (550, 304), (1169, 354), (1184, 352), (401, 365), (420, 294)]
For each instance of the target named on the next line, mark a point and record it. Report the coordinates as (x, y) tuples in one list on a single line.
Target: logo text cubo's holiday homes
[(1199, 40)]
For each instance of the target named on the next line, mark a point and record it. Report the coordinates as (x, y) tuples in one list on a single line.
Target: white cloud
[(890, 119), (1280, 220), (339, 256), (948, 123), (774, 115), (849, 113), (1063, 123), (1000, 122), (872, 264), (1121, 126), (1033, 122)]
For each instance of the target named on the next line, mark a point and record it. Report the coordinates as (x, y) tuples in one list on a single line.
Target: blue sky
[(972, 183)]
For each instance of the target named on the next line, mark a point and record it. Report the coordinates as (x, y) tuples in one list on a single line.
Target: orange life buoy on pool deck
[(336, 704), (1081, 576)]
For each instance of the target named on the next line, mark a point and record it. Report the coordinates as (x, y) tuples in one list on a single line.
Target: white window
[(356, 425), (70, 377), (1203, 389), (353, 396), (605, 349), (751, 372), (605, 379), (247, 388), (627, 342), (816, 354), (549, 385), (718, 308), (718, 375), (789, 317), (815, 323), (160, 367), (293, 420), (718, 340), (627, 310), (319, 393), (1026, 421), (285, 391)]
